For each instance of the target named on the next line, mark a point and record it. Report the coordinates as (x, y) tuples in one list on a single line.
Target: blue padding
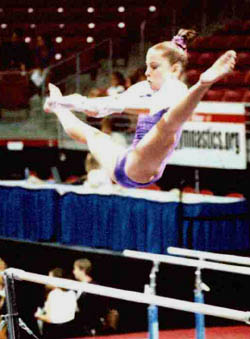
[(216, 227), (28, 214), (117, 222)]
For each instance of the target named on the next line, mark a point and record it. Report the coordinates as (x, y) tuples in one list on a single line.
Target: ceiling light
[(90, 10), (152, 8), (121, 9), (89, 39), (59, 39), (121, 25), (58, 56)]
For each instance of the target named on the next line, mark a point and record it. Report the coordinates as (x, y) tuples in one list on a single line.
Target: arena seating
[(15, 92), (71, 24)]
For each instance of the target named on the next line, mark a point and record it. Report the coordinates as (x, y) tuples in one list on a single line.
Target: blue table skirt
[(118, 222)]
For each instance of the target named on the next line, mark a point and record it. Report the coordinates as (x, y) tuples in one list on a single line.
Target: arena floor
[(236, 332)]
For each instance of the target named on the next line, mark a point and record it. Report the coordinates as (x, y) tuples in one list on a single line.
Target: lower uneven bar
[(138, 297)]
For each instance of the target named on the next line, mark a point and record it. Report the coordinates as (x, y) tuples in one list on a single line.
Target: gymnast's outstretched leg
[(100, 144)]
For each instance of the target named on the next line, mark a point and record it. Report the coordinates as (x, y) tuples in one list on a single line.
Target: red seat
[(193, 58), (48, 28), (233, 26), (188, 189), (214, 95), (247, 42), (233, 96), (73, 43), (217, 41), (206, 192), (235, 194), (246, 96), (227, 42), (243, 59), (206, 59), (15, 92), (235, 42), (201, 42), (235, 78), (246, 26), (247, 78), (193, 76), (152, 187)]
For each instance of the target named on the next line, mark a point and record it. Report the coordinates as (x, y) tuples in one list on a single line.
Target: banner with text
[(215, 137)]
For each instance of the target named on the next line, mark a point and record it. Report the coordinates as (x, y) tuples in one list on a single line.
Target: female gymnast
[(163, 103)]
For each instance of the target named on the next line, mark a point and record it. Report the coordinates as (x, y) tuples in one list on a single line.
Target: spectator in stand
[(137, 76), (117, 84), (91, 307), (32, 177), (16, 53), (58, 311), (44, 52), (94, 92), (106, 127), (96, 176)]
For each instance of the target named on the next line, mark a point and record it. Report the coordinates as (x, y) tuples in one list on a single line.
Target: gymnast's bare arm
[(100, 107)]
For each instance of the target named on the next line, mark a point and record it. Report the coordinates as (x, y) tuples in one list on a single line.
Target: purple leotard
[(145, 123), (170, 93)]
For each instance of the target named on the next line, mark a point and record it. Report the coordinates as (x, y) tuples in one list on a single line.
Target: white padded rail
[(169, 259), (130, 295), (234, 259)]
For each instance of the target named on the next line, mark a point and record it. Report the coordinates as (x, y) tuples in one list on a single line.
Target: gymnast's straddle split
[(163, 103)]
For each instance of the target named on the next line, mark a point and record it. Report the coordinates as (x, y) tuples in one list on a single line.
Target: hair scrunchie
[(180, 42)]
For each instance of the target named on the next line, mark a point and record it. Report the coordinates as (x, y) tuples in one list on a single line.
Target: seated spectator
[(110, 322), (117, 84), (32, 178), (44, 52), (137, 76), (91, 308), (58, 312), (96, 176), (117, 137), (16, 53), (94, 92), (15, 90)]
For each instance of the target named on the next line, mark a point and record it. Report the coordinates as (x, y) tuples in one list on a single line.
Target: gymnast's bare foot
[(54, 93), (222, 66), (74, 102)]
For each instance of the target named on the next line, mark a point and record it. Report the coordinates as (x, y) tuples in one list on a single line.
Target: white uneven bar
[(138, 297), (168, 259), (235, 259)]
